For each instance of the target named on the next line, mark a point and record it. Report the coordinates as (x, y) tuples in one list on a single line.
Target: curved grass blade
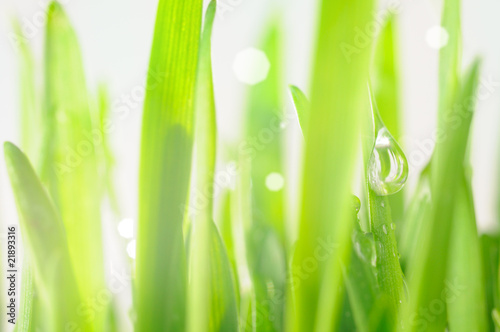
[(167, 138), (338, 82), (47, 244), (303, 106)]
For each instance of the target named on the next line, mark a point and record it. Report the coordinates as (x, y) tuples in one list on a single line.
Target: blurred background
[(115, 38)]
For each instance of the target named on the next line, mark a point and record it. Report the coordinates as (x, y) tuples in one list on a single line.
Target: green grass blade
[(428, 272), (30, 112), (465, 268), (200, 280), (70, 165), (302, 105), (47, 244), (266, 236), (360, 280), (338, 87), (167, 139), (417, 212), (389, 273), (490, 248)]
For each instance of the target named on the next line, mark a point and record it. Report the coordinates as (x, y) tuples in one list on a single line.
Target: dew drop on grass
[(387, 166)]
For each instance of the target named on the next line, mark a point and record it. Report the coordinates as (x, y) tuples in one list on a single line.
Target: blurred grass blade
[(70, 165), (265, 136), (167, 139), (46, 242), (30, 111), (360, 279), (465, 270), (417, 212), (302, 105), (428, 272), (26, 321), (266, 236), (338, 86)]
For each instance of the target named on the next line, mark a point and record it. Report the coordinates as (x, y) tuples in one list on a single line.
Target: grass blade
[(70, 164), (338, 85), (44, 233), (465, 268), (428, 272), (167, 139), (211, 294)]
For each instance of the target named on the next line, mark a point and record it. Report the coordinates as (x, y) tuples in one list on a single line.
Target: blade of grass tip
[(465, 269), (427, 273), (338, 83), (490, 248), (386, 84), (166, 148), (302, 106), (46, 242), (70, 163)]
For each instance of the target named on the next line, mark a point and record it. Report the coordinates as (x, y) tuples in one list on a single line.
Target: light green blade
[(47, 244), (70, 165), (303, 106), (427, 273), (465, 268), (167, 139), (211, 295), (338, 88)]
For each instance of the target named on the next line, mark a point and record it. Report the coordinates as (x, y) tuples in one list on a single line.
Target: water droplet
[(384, 228), (356, 203), (387, 167), (382, 204), (393, 226)]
